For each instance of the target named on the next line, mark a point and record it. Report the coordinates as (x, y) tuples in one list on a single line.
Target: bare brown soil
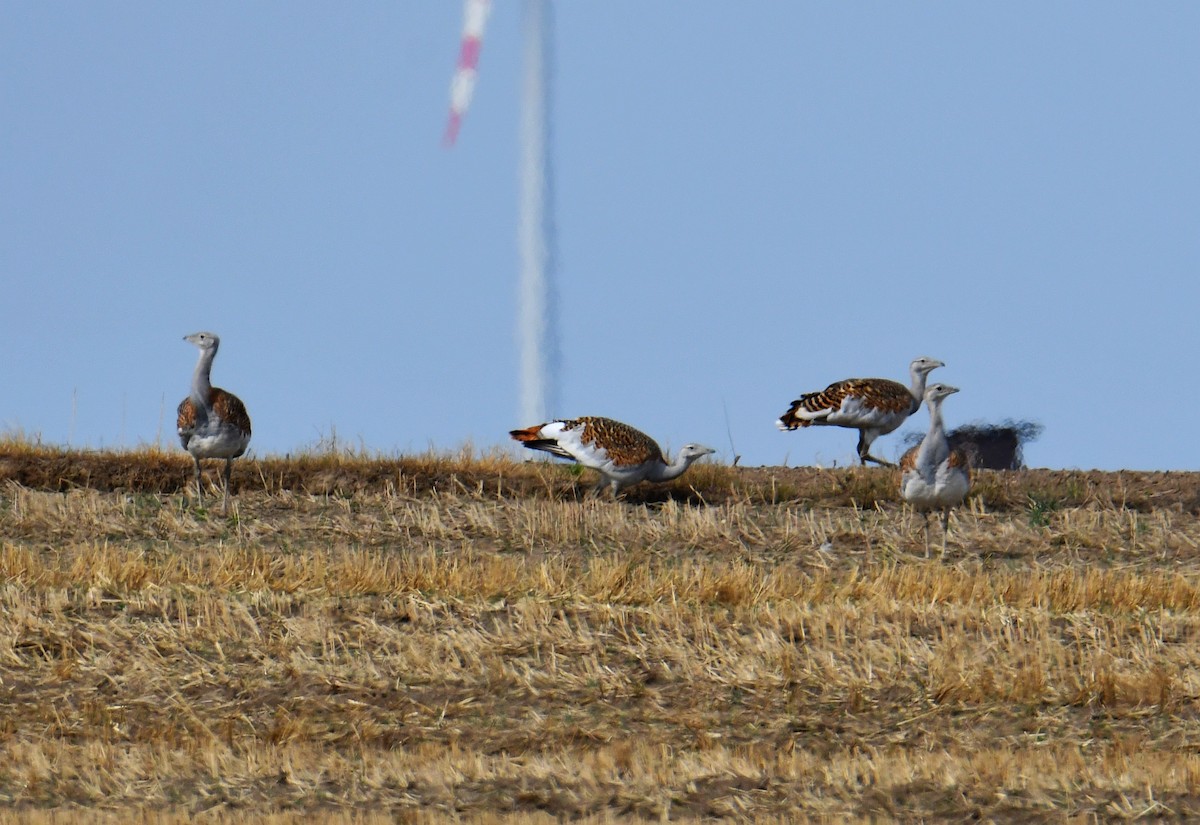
[(431, 639)]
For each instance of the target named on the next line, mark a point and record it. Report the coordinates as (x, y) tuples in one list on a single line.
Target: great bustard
[(622, 455), (934, 476), (212, 422), (873, 406)]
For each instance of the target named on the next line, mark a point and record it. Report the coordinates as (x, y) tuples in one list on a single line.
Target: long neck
[(935, 447), (918, 388), (666, 472), (201, 386)]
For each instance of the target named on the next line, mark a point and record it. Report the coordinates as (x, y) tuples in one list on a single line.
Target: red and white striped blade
[(475, 14)]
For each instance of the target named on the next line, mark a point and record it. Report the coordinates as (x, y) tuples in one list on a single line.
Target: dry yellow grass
[(459, 639)]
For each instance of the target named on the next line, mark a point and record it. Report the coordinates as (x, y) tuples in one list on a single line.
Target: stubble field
[(459, 638)]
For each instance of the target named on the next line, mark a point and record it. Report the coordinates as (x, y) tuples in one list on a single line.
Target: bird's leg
[(616, 489), (225, 501), (925, 529), (864, 451), (199, 483), (945, 529)]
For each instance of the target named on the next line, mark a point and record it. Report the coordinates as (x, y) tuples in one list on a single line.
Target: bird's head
[(690, 452), (203, 340), (936, 392), (925, 365)]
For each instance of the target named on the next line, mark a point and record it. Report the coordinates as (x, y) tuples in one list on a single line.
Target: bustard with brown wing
[(212, 422), (873, 406), (621, 454)]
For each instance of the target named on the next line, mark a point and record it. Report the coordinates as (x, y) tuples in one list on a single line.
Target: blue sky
[(753, 200)]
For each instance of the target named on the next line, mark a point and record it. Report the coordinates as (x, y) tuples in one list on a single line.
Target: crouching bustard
[(212, 423), (932, 475), (621, 454), (873, 406)]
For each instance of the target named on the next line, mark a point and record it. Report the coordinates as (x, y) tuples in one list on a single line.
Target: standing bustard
[(873, 406), (623, 455), (212, 422), (934, 476)]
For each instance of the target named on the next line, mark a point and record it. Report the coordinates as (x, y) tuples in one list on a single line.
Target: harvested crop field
[(471, 639)]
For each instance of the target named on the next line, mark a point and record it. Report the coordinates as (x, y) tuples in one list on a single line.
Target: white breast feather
[(954, 482), (945, 487)]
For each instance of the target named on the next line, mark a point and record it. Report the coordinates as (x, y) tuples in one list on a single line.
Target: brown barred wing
[(229, 408), (853, 402), (185, 420), (812, 407), (625, 445), (881, 394)]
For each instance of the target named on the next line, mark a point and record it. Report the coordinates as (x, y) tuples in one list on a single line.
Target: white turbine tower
[(537, 326)]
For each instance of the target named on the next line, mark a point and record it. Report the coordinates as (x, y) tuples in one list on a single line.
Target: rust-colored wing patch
[(958, 460), (230, 409), (185, 417), (625, 445), (528, 434), (531, 437)]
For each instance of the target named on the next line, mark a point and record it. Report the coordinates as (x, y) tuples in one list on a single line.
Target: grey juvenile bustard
[(933, 476)]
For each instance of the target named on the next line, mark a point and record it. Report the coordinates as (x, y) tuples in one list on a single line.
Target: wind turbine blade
[(462, 86)]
